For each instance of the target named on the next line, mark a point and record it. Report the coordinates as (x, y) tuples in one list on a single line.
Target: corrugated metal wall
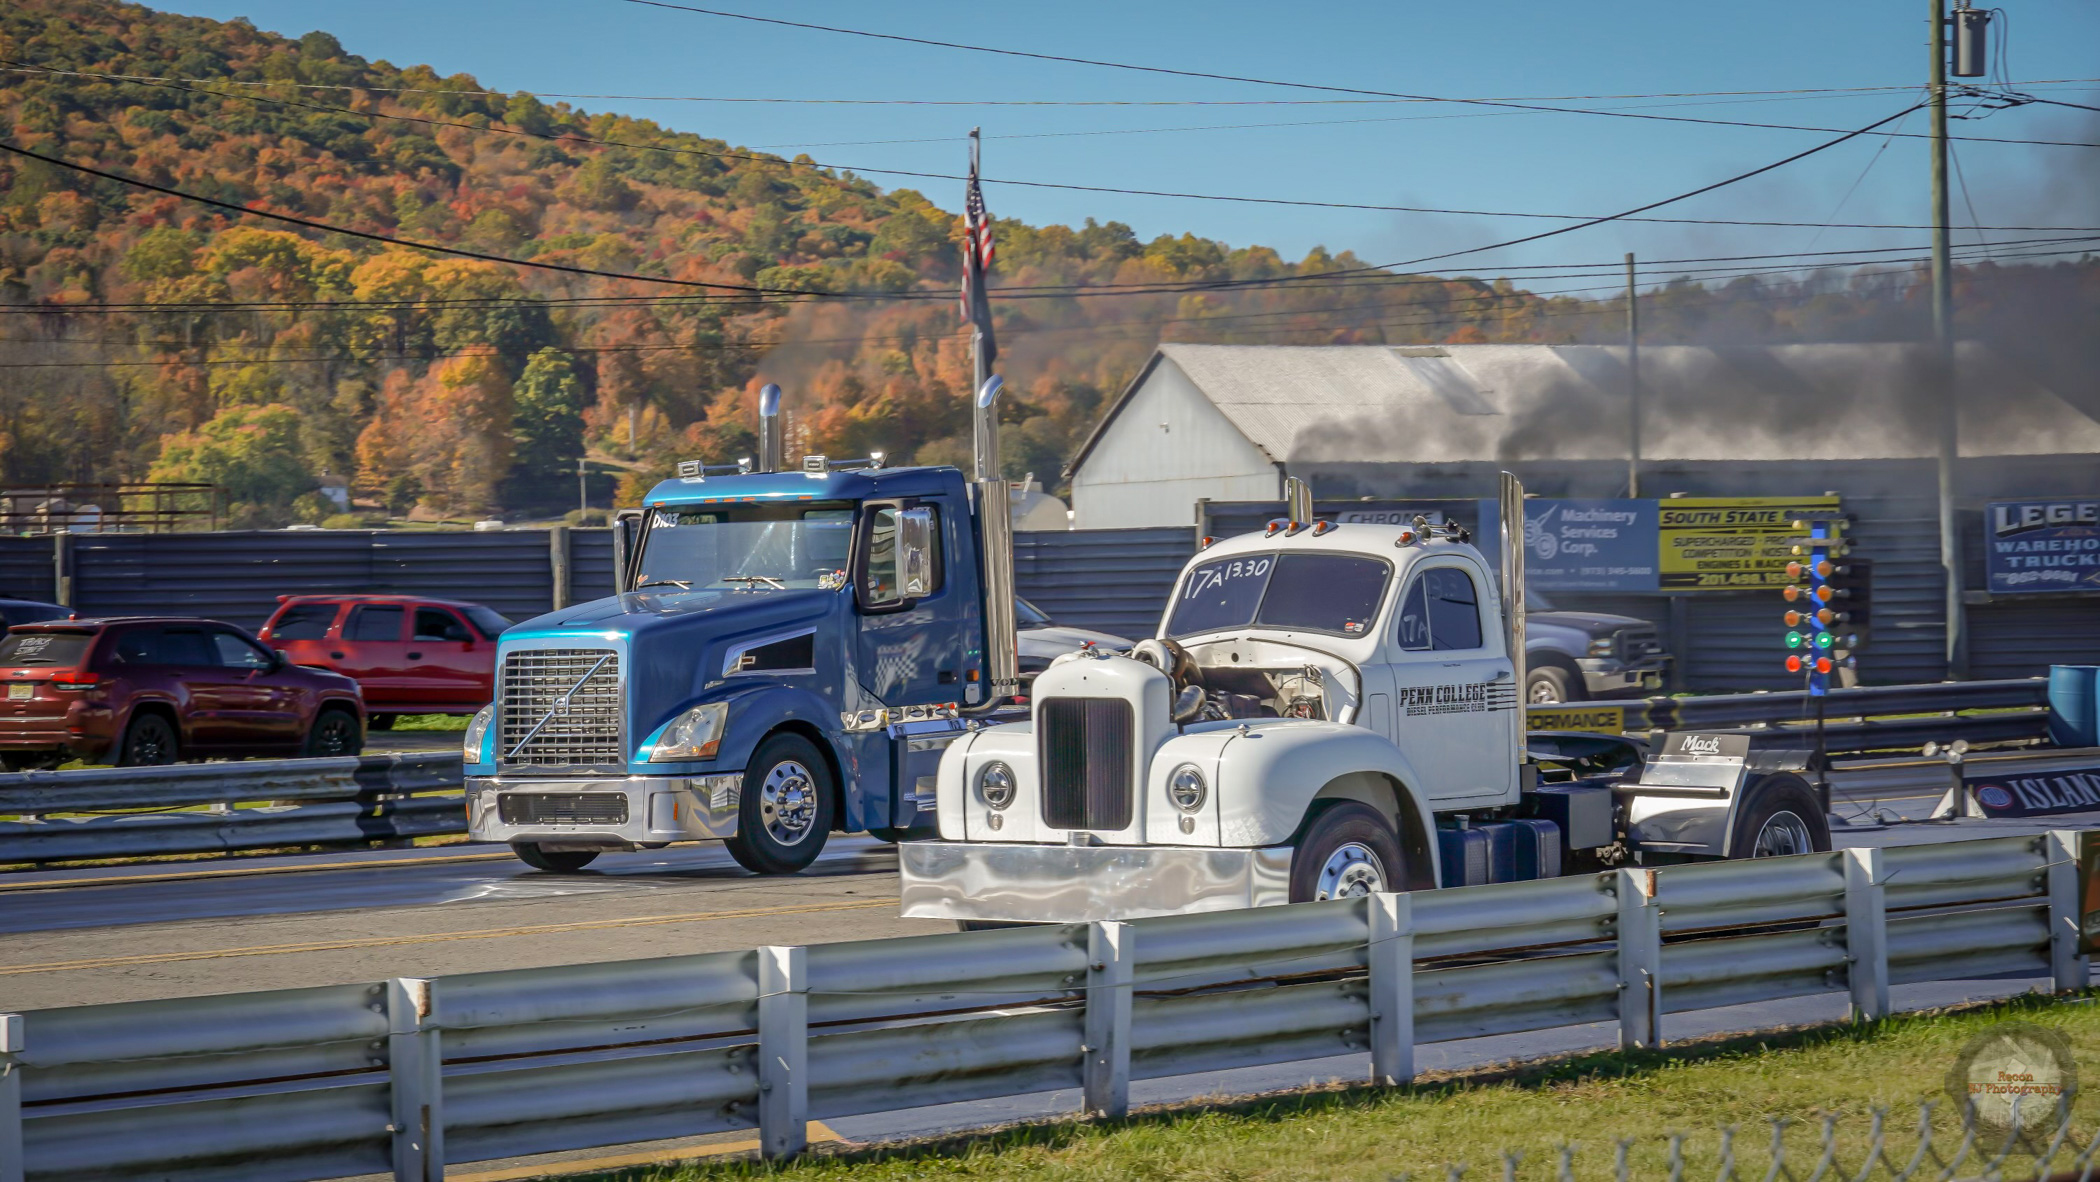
[(27, 569), (237, 576), (590, 564), (1115, 580), (1111, 580)]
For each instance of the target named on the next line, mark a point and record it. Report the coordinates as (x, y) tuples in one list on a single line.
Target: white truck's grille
[(560, 707), (1086, 755)]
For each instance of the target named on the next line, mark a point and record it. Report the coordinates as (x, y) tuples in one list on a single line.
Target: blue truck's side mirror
[(915, 552)]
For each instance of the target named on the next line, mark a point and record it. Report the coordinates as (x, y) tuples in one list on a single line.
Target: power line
[(1457, 310), (1066, 186), (1379, 282), (437, 248), (978, 102), (1352, 90)]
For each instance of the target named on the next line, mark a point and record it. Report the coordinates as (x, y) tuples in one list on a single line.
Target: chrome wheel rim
[(787, 802), (1543, 691), (1349, 872), (1783, 833)]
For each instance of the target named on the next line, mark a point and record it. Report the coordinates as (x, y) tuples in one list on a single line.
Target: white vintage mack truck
[(1327, 710)]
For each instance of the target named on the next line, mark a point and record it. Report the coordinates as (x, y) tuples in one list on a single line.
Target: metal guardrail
[(378, 798), (411, 1074), (287, 802), (1862, 718)]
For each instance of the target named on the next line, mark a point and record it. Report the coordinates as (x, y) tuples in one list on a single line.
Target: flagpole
[(986, 427)]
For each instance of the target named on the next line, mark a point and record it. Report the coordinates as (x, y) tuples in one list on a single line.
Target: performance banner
[(1732, 543), (2042, 546)]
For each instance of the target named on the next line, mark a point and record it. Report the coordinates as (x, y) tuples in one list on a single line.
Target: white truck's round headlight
[(995, 785), (1187, 789)]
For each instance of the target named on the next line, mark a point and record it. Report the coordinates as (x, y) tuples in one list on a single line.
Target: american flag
[(978, 252)]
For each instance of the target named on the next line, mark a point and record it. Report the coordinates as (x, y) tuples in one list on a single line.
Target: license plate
[(20, 691)]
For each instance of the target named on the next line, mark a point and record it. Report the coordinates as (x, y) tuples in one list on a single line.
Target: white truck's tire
[(1347, 850), (1779, 815)]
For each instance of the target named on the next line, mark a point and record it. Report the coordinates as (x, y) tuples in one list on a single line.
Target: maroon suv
[(146, 690)]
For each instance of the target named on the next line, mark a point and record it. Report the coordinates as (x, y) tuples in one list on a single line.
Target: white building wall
[(1168, 447)]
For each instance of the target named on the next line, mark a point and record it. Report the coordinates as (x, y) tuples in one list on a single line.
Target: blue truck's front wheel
[(785, 814)]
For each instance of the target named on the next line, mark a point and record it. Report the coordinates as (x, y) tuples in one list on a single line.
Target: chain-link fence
[(1874, 1147)]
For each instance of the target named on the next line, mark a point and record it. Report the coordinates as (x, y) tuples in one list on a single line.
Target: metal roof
[(1505, 403)]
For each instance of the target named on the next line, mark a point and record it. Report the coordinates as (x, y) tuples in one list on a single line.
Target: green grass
[(432, 722), (1590, 1102)]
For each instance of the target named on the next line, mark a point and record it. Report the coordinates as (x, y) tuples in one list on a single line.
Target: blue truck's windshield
[(1335, 593), (756, 546)]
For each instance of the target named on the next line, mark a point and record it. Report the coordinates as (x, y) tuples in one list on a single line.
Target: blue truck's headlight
[(477, 733), (695, 734)]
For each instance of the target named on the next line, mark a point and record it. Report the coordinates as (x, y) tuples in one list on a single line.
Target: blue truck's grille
[(1637, 645), (560, 707), (1086, 760)]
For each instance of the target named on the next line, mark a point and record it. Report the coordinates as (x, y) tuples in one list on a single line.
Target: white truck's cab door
[(1453, 687)]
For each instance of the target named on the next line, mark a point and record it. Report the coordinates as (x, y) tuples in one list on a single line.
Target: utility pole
[(1633, 384), (583, 490), (1946, 410)]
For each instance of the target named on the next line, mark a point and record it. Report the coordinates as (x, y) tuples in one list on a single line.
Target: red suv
[(410, 655), (145, 690)]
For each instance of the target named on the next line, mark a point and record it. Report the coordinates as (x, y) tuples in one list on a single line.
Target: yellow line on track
[(818, 1131), (244, 871), (541, 929)]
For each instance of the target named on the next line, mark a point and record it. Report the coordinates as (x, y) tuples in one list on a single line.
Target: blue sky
[(1391, 154)]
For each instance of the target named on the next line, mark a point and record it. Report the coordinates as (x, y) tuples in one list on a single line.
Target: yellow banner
[(1607, 719), (1732, 543)]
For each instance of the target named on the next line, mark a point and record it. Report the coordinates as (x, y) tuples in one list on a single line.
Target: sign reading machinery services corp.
[(2042, 546), (1590, 545), (1733, 543)]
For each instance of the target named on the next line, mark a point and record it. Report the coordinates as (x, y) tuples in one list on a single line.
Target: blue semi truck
[(789, 654)]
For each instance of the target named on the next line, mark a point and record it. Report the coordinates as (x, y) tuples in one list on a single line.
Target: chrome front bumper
[(1604, 675), (660, 810), (1079, 884)]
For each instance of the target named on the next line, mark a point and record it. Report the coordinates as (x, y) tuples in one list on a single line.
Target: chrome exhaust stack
[(1298, 503), (995, 530), (769, 438), (1512, 511)]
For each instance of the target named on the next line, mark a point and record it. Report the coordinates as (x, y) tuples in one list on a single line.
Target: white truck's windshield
[(755, 546), (1337, 593)]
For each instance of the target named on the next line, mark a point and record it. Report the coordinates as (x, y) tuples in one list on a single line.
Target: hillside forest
[(145, 336)]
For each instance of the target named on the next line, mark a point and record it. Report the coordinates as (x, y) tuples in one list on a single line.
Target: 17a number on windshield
[(1227, 572)]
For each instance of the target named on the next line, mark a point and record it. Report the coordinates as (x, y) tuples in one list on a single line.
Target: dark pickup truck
[(1576, 656)]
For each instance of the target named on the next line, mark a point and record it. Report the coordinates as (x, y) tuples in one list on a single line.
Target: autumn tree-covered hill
[(167, 339)]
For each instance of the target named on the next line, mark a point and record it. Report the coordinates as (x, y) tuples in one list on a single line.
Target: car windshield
[(1028, 615), (23, 649), (1336, 593), (489, 620), (1535, 600), (754, 546)]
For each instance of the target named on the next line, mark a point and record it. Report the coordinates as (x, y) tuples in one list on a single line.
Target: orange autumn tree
[(448, 432)]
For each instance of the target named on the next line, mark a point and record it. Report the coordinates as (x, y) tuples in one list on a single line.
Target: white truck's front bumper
[(601, 812), (1081, 883)]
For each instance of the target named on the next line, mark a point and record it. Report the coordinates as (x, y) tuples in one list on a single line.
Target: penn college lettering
[(1460, 698)]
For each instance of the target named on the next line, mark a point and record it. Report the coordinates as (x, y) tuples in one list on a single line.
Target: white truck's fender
[(1267, 777)]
